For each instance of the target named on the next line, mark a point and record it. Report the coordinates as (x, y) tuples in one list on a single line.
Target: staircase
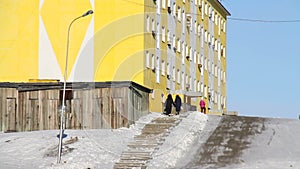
[(139, 152)]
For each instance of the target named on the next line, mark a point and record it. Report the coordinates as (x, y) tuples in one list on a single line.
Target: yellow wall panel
[(57, 16), (119, 35), (19, 40)]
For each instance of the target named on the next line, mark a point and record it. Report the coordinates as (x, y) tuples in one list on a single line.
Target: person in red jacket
[(202, 106)]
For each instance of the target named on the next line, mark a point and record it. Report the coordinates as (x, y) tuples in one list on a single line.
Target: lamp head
[(87, 13)]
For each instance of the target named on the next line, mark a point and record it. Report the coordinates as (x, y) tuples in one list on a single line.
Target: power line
[(261, 20)]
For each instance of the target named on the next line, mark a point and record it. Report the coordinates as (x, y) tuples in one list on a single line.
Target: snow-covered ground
[(93, 148), (102, 148)]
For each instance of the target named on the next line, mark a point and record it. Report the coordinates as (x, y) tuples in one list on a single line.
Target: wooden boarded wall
[(8, 109), (86, 108)]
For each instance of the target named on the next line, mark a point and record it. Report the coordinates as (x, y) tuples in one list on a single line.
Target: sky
[(263, 58)]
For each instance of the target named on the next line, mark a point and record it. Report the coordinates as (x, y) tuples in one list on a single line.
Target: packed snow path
[(250, 142), (152, 136)]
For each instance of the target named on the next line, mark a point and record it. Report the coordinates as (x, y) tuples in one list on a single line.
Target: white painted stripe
[(41, 4), (83, 69), (48, 64)]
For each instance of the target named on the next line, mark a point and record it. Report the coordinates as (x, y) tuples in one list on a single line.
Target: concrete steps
[(139, 152)]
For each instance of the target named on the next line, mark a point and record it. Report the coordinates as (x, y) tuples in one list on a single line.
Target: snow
[(101, 148)]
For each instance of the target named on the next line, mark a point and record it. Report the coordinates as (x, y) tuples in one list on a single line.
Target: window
[(199, 30), (202, 11), (195, 27), (157, 70), (158, 6), (153, 25), (191, 54), (202, 62), (186, 80), (183, 21), (202, 37), (173, 72), (158, 37), (148, 24), (174, 9), (162, 98), (179, 14), (222, 24), (187, 50), (152, 62), (147, 59), (209, 12), (195, 56), (205, 8), (174, 41), (183, 52), (178, 45), (182, 80), (168, 68), (205, 36), (163, 34), (178, 76), (163, 4), (216, 45), (163, 68), (168, 36)]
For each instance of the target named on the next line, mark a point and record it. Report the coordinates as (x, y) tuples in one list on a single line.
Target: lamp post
[(64, 90)]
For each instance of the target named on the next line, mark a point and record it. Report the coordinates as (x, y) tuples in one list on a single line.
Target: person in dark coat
[(168, 105), (177, 104)]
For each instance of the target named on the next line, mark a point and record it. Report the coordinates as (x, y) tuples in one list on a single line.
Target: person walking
[(202, 106), (177, 104), (168, 105)]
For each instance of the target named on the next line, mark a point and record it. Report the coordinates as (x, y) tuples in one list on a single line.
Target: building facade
[(168, 46)]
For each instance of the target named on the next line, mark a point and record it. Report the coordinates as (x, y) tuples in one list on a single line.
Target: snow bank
[(180, 141)]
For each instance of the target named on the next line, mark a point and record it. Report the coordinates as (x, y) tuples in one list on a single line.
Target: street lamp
[(64, 90)]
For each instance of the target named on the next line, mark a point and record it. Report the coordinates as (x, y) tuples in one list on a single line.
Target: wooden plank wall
[(8, 112), (87, 109)]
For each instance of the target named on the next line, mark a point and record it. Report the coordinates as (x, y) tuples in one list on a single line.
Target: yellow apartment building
[(168, 46)]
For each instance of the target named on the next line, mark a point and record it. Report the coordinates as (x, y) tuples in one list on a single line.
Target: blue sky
[(263, 58)]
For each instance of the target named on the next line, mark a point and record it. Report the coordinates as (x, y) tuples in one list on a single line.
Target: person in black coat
[(177, 104), (168, 105)]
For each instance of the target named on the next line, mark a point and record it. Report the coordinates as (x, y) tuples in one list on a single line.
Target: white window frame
[(148, 23), (152, 62), (147, 59), (163, 4), (179, 14), (178, 76), (163, 68), (178, 45), (174, 73), (157, 70), (158, 8), (163, 34)]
